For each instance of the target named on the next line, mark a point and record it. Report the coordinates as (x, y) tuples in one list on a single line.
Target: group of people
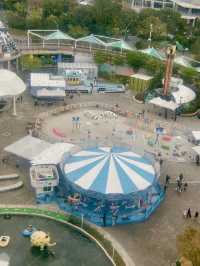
[(180, 184)]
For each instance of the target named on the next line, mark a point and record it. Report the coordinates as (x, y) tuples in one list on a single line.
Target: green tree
[(77, 31), (189, 75), (188, 245), (196, 48), (159, 29), (52, 22), (15, 20), (30, 62), (136, 60), (34, 20)]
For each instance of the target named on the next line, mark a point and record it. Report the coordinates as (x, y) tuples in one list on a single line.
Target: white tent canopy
[(196, 149), (196, 135), (10, 84), (27, 147), (182, 95), (53, 154), (39, 151)]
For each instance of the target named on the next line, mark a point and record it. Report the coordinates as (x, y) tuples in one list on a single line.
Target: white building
[(190, 9), (44, 85)]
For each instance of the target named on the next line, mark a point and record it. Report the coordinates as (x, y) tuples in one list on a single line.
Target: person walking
[(196, 215), (189, 214), (179, 186), (185, 186), (167, 180), (197, 160)]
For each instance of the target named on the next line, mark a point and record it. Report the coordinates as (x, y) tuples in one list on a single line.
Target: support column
[(17, 65), (14, 106), (9, 65)]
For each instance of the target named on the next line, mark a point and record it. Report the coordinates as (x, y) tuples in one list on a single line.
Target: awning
[(58, 35), (91, 39), (154, 53), (121, 44), (50, 93)]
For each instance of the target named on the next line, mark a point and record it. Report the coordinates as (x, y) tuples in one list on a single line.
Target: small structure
[(43, 172), (179, 95), (11, 86), (88, 70), (47, 86), (140, 82)]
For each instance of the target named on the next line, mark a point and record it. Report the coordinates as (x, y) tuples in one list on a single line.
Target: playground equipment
[(29, 231), (41, 240)]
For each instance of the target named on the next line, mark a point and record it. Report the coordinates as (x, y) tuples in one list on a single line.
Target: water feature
[(72, 248)]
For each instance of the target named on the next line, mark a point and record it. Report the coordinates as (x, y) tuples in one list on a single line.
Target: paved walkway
[(152, 243)]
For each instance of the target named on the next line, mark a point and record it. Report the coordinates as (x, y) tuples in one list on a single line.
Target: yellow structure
[(41, 239), (140, 82)]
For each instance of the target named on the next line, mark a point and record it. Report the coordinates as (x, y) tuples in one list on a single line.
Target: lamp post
[(150, 35)]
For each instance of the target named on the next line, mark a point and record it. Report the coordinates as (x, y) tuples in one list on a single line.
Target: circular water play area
[(72, 248)]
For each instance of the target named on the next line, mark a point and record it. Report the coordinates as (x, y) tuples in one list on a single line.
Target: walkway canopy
[(91, 40), (121, 45), (58, 35), (108, 170), (154, 53)]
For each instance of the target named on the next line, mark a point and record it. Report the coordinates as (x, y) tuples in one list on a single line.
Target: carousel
[(109, 186)]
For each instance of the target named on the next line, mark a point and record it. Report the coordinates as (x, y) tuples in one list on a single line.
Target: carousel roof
[(109, 170)]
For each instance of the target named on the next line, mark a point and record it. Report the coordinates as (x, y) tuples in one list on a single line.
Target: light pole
[(150, 35)]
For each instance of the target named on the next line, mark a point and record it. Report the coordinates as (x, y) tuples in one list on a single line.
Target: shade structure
[(10, 84), (59, 35), (120, 44), (154, 53), (91, 39), (105, 170)]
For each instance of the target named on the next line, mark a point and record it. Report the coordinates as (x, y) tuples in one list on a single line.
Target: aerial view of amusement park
[(100, 132)]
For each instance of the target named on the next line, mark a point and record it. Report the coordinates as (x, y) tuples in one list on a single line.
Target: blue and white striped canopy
[(109, 170)]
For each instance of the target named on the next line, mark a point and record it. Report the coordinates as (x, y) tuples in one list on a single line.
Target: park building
[(190, 9)]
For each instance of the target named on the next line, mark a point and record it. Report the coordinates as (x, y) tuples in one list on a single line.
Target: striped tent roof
[(109, 170)]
